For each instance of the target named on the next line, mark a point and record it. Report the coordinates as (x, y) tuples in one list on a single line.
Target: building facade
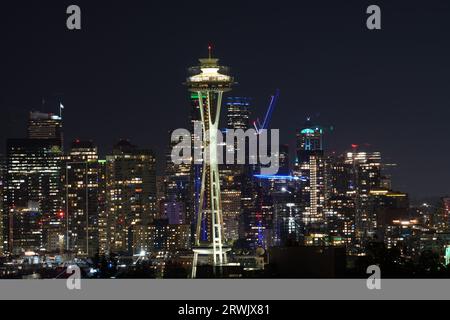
[(310, 169), (34, 175), (82, 199), (131, 194)]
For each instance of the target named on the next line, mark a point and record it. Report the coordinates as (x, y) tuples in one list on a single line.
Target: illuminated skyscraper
[(366, 177), (45, 126), (238, 113), (310, 168), (195, 167), (442, 217), (34, 175), (131, 194), (26, 229), (340, 218), (177, 201), (2, 207), (162, 238), (82, 195), (285, 163), (341, 210), (209, 81), (238, 118), (231, 204), (386, 208), (102, 208), (287, 219)]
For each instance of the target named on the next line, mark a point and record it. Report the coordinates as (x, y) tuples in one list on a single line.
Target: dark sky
[(121, 75)]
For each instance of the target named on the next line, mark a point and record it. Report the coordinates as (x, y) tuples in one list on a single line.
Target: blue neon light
[(276, 177)]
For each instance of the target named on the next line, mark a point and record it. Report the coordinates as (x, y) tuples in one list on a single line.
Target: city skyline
[(72, 206), (380, 88), (225, 156), (135, 165)]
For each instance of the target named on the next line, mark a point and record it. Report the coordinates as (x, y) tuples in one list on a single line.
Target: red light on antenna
[(355, 146), (210, 51)]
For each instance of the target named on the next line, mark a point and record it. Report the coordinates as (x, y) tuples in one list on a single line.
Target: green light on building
[(312, 131), (447, 256), (307, 131), (195, 96)]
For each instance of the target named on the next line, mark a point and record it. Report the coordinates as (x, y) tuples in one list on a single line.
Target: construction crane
[(263, 126)]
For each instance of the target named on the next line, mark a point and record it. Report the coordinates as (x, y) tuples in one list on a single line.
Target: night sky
[(121, 76)]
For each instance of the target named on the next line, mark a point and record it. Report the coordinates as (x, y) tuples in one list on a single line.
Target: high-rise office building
[(231, 205), (284, 162), (238, 113), (174, 211), (340, 220), (2, 204), (258, 219), (131, 192), (366, 177), (342, 177), (287, 219), (179, 237), (238, 118), (263, 224), (442, 217), (250, 205), (341, 205), (196, 166), (26, 229), (310, 169), (34, 175), (177, 202), (385, 207), (82, 199), (45, 126), (102, 208), (402, 234), (161, 238)]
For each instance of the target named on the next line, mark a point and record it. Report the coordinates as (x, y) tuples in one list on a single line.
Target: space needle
[(209, 81)]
